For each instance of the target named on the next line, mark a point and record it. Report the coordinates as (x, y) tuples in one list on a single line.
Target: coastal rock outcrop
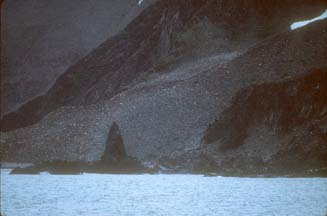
[(115, 149), (113, 160)]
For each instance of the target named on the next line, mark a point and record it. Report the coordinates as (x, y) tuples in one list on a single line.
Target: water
[(160, 195)]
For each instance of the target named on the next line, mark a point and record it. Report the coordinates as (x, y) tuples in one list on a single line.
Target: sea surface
[(154, 195)]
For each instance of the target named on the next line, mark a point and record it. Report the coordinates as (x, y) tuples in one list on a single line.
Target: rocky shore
[(114, 160)]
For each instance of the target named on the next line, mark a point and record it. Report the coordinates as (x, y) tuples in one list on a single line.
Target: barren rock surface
[(172, 72), (164, 114), (163, 33)]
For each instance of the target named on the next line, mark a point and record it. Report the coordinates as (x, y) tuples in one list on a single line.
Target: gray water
[(159, 195)]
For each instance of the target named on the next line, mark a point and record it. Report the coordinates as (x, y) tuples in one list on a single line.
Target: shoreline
[(130, 166), (175, 173)]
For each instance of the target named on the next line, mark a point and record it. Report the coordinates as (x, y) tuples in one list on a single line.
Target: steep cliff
[(271, 128)]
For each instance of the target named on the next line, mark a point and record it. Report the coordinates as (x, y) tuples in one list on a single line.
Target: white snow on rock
[(140, 2), (306, 22)]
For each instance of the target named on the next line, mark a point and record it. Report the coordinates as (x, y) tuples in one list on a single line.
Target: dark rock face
[(115, 158), (25, 171), (56, 167), (164, 32), (115, 149), (284, 106), (295, 114)]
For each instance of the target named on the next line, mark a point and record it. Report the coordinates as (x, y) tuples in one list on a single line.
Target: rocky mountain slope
[(164, 32), (172, 111), (278, 127), (40, 40), (165, 80)]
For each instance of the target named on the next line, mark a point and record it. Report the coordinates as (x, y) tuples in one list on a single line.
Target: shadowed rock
[(115, 149), (294, 103), (25, 171), (115, 158), (53, 167), (283, 125)]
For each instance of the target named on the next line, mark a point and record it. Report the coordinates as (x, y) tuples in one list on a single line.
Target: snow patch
[(140, 2), (306, 22)]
